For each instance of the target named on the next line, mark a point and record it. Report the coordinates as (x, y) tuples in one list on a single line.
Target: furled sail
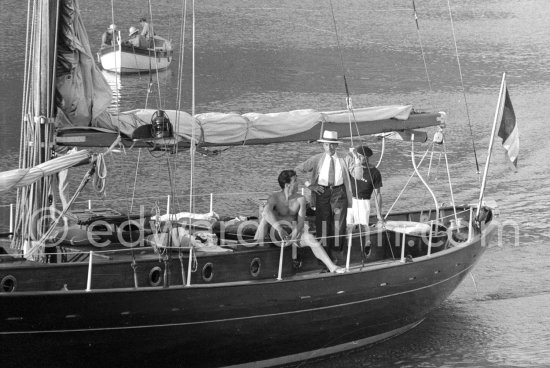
[(83, 94), (220, 129), (22, 177)]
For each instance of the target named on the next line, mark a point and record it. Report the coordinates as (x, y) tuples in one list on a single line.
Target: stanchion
[(350, 236), (11, 220), (89, 282), (402, 246), (280, 274)]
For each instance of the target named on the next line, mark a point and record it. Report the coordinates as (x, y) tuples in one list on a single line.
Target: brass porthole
[(155, 276), (255, 267), (8, 284), (208, 272)]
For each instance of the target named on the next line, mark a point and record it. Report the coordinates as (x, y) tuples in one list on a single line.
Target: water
[(270, 56)]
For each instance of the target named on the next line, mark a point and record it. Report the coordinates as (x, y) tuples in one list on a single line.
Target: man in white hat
[(108, 38), (330, 192), (135, 39)]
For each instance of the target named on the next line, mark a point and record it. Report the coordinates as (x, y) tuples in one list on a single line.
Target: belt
[(332, 186)]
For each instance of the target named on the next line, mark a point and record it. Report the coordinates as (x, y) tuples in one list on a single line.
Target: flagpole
[(486, 170)]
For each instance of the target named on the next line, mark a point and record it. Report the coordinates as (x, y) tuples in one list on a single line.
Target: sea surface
[(270, 56)]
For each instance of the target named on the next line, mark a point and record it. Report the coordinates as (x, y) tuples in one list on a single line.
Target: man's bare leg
[(319, 252)]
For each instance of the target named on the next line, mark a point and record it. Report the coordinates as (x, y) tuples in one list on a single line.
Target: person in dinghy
[(285, 213), (136, 39)]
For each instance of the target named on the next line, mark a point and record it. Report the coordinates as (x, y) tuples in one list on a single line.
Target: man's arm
[(378, 203), (271, 217), (354, 165), (308, 166), (300, 220)]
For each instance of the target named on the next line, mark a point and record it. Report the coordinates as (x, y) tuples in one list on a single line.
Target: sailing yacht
[(109, 287)]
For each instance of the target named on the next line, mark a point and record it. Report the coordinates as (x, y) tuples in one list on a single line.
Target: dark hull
[(270, 321)]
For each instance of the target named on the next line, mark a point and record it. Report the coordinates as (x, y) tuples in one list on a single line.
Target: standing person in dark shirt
[(366, 181), (109, 37)]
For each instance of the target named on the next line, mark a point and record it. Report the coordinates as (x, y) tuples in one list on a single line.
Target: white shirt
[(323, 173)]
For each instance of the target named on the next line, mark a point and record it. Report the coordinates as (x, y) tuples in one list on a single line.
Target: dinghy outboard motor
[(161, 127)]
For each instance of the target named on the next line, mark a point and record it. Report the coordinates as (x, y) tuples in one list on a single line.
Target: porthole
[(8, 284), (155, 276), (208, 272), (255, 267)]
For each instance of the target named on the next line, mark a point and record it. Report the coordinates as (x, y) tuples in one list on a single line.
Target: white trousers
[(360, 212)]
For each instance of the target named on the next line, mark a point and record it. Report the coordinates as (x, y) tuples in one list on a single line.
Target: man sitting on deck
[(286, 210)]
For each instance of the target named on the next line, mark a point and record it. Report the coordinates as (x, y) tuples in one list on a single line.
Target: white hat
[(132, 31), (112, 27), (329, 136)]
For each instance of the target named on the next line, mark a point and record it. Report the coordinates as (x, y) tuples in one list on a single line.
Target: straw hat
[(329, 136), (132, 31)]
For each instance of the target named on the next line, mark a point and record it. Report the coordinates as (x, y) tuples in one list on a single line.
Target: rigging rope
[(192, 145), (135, 180), (421, 46), (100, 175), (152, 30), (463, 90)]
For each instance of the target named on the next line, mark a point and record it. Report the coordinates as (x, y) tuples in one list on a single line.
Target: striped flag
[(508, 130)]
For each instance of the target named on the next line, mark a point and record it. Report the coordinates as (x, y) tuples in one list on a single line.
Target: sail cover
[(215, 128), (22, 177)]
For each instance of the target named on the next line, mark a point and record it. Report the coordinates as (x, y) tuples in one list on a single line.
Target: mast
[(37, 120)]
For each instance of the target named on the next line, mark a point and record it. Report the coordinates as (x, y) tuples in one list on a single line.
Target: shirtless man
[(286, 211)]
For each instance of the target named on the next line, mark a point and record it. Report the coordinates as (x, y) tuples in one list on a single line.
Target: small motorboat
[(125, 58)]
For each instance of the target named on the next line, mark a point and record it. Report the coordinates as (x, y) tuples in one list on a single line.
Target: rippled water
[(269, 56)]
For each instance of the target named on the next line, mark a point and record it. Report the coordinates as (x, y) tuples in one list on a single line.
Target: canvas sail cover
[(22, 177), (216, 128)]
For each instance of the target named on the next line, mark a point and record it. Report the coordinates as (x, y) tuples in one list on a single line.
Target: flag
[(508, 130)]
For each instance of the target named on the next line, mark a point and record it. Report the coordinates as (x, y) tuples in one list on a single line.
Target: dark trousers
[(330, 217)]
